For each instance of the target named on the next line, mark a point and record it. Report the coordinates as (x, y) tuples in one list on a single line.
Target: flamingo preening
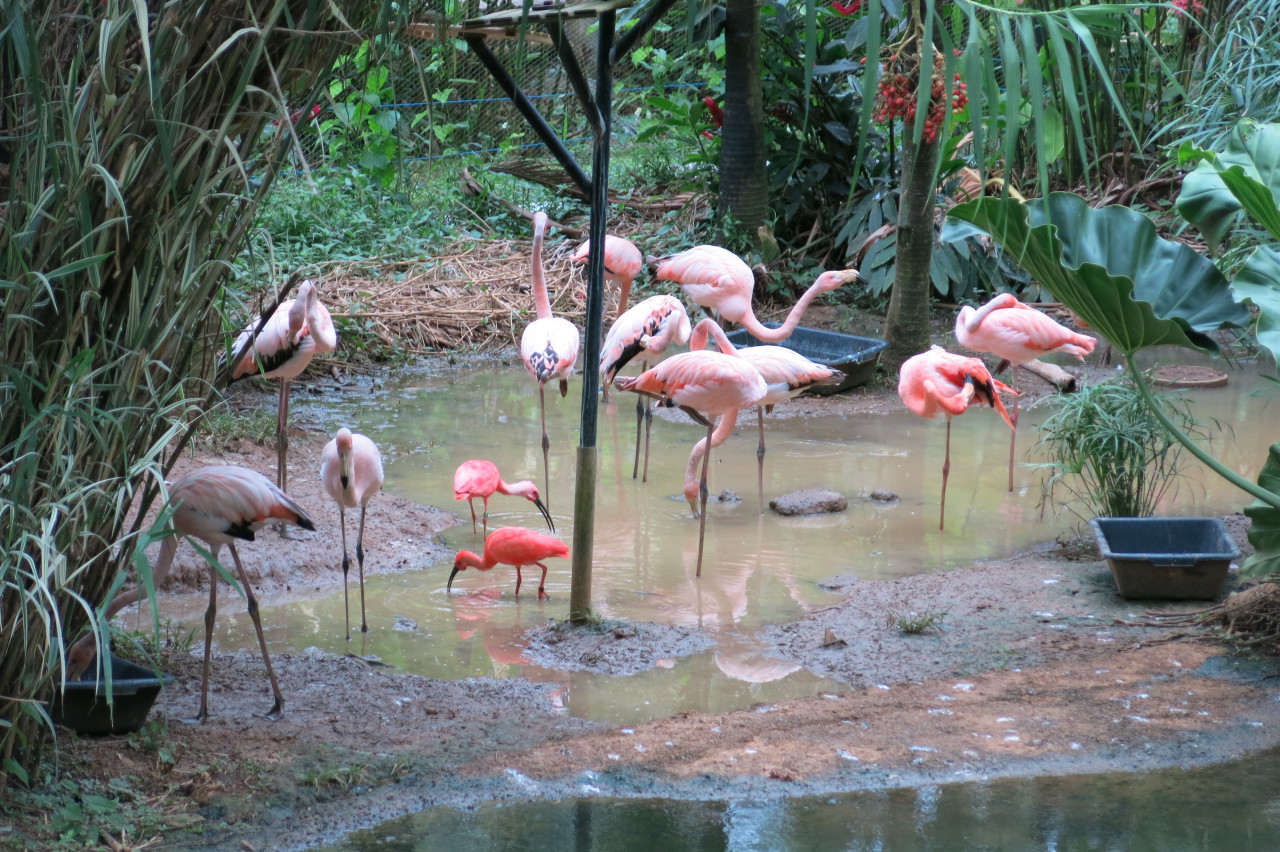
[(517, 546), (702, 381), (938, 383), (622, 263), (718, 279), (786, 373), (549, 346), (351, 470), (298, 329), (216, 504), (479, 478), (646, 329), (1018, 333)]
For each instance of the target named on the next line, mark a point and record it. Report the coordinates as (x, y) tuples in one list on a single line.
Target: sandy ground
[(1038, 667)]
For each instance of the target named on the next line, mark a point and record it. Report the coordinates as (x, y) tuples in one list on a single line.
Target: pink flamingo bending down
[(622, 263), (719, 280), (299, 329), (549, 346), (786, 373), (646, 329), (703, 381), (937, 382), (351, 470), (1018, 333), (479, 478), (516, 546), (216, 504)]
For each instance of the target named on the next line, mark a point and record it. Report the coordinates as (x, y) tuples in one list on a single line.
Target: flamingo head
[(529, 491), (464, 560), (828, 281), (343, 439)]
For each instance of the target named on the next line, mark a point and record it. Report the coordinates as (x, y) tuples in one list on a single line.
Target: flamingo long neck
[(708, 326), (975, 318), (777, 335), (540, 297), (467, 559), (723, 430)]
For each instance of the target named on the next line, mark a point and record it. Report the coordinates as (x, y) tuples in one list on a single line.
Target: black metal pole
[(585, 489)]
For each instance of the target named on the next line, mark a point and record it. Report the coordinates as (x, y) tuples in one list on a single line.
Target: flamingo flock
[(219, 504)]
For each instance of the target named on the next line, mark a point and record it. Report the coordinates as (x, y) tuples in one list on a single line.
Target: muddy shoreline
[(1038, 667)]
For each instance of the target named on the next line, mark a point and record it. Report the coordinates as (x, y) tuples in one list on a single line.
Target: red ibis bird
[(937, 383), (1018, 333), (351, 470), (299, 329), (718, 279), (515, 546), (549, 345), (479, 478), (217, 505)]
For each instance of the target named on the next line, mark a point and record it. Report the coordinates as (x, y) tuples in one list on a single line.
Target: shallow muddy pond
[(1215, 809), (758, 569)]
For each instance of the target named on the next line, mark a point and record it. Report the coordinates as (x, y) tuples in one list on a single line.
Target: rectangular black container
[(84, 709), (1169, 558), (856, 357)]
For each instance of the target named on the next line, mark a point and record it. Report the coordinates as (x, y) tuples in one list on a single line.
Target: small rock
[(809, 501), (729, 496), (830, 640), (884, 495)]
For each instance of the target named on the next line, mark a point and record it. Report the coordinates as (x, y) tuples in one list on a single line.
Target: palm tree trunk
[(744, 182), (907, 323)]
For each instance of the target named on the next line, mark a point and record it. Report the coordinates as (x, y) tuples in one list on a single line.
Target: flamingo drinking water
[(479, 478), (516, 546)]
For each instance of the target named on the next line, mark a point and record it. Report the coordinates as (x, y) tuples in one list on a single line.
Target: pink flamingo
[(718, 279), (1018, 333), (786, 373), (622, 263), (516, 546), (702, 381), (216, 504), (351, 470), (299, 329), (479, 478), (648, 328), (549, 346), (937, 382)]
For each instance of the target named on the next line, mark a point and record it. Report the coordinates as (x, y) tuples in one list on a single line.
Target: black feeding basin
[(856, 357), (84, 708)]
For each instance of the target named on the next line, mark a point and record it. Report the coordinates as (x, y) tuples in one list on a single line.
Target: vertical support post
[(584, 503)]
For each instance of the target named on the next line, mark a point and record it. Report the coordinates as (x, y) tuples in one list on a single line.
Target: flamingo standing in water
[(479, 478), (786, 372), (718, 279), (351, 470), (216, 504), (1018, 333), (622, 263), (648, 328), (299, 329), (937, 382), (516, 546), (702, 381), (549, 346)]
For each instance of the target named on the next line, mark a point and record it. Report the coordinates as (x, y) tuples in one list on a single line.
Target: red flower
[(847, 8), (717, 114)]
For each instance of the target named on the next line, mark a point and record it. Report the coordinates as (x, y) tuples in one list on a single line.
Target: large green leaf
[(1264, 532), (1110, 267), (1245, 176), (1258, 281)]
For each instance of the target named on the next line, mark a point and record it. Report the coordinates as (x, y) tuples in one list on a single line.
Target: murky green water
[(1230, 807), (758, 569)]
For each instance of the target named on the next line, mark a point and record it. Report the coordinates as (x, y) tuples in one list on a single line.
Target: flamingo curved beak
[(449, 586), (537, 501)]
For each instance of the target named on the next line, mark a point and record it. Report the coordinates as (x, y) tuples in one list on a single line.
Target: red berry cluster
[(896, 97)]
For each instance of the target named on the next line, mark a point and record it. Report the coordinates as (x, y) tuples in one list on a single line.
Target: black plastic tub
[(1166, 558), (856, 357), (84, 708)]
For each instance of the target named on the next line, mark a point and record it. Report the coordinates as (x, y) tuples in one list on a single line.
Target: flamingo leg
[(760, 456), (471, 504), (542, 585), (648, 430), (1013, 434), (364, 624), (274, 712), (346, 566), (282, 436), (946, 471), (641, 408), (702, 498), (209, 614), (519, 580), (486, 518), (546, 444)]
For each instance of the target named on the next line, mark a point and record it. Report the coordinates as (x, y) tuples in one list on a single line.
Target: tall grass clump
[(135, 146), (1109, 456)]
